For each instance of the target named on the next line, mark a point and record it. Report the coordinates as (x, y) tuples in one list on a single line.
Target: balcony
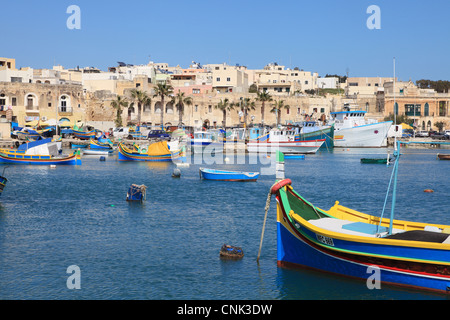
[(32, 109), (65, 111)]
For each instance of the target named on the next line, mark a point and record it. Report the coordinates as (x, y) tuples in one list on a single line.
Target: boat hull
[(399, 262), (326, 133), (290, 147), (39, 160), (126, 155), (84, 135), (365, 136), (219, 175)]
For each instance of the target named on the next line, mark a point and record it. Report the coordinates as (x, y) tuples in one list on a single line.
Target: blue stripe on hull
[(292, 250)]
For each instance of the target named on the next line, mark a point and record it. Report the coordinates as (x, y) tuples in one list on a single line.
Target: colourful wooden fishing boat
[(19, 157), (158, 151), (95, 144), (85, 135), (350, 243), (222, 175)]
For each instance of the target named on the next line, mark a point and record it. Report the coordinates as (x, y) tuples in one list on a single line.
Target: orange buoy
[(428, 190)]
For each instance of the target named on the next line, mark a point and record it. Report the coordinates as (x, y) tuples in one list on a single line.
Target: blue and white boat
[(222, 175)]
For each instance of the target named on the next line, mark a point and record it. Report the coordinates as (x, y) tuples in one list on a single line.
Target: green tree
[(225, 105), (253, 88), (277, 107), (163, 90), (180, 100), (264, 97), (118, 104), (142, 99), (439, 125)]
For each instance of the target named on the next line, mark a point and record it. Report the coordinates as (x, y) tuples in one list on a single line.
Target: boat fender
[(280, 184)]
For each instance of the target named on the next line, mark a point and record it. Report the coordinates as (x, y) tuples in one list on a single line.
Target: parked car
[(447, 133), (120, 132), (158, 134), (437, 135), (422, 133)]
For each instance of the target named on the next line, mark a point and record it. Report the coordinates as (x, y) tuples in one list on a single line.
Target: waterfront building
[(425, 106)]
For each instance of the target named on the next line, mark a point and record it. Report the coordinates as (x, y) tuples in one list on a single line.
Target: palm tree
[(142, 99), (263, 97), (162, 90), (247, 106), (277, 107), (180, 100), (118, 104), (224, 106)]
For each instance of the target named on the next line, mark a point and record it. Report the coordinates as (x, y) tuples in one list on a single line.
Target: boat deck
[(369, 230)]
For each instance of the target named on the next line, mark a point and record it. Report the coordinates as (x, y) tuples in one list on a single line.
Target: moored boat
[(351, 129), (223, 175), (95, 144), (158, 151), (98, 152), (350, 243), (84, 135), (376, 160), (441, 156)]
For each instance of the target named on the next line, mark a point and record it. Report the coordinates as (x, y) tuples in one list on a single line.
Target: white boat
[(97, 152), (352, 129), (284, 141)]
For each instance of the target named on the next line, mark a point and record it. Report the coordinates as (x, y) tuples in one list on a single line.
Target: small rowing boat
[(222, 175)]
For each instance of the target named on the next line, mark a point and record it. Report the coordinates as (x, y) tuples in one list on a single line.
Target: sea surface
[(167, 248)]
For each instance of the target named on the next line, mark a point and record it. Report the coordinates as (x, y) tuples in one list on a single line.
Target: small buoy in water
[(102, 158), (176, 173), (227, 159), (231, 252), (428, 190), (53, 166)]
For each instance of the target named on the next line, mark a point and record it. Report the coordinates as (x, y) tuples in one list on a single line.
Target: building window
[(14, 101), (427, 110), (217, 79), (209, 108), (49, 104), (306, 81), (412, 110), (228, 79), (196, 108), (195, 91)]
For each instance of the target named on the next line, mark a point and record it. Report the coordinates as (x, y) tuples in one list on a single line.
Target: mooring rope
[(269, 197)]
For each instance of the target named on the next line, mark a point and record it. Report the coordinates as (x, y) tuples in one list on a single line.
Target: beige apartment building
[(24, 102)]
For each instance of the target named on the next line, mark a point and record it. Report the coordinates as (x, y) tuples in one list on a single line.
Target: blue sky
[(325, 36)]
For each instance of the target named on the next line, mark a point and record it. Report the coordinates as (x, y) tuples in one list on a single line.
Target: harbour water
[(167, 248)]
